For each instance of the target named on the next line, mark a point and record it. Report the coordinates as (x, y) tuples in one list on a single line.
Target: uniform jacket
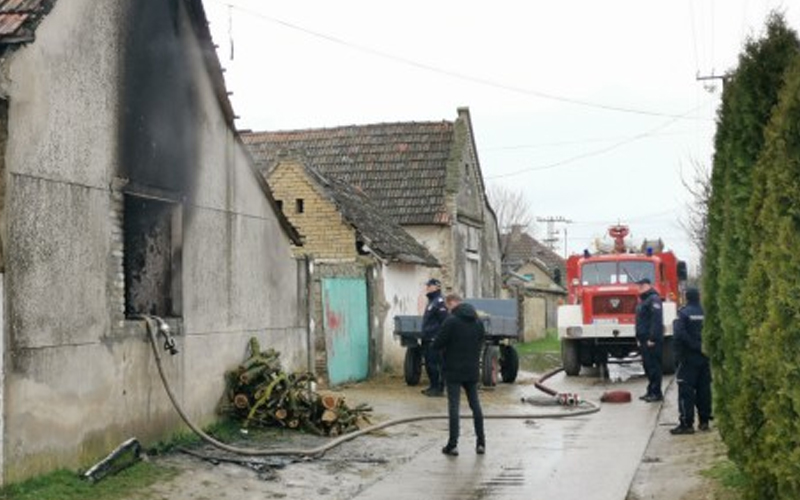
[(650, 318), (688, 330), (435, 314), (461, 339)]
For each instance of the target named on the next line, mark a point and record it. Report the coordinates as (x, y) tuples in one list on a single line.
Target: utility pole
[(710, 87), (552, 232)]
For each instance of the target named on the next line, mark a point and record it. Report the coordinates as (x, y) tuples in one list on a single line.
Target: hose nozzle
[(169, 340)]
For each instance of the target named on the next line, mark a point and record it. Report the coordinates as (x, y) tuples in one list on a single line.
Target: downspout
[(309, 270)]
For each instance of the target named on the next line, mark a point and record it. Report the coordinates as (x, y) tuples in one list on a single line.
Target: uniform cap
[(643, 281), (433, 282)]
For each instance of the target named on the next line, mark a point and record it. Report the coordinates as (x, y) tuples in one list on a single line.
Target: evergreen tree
[(772, 308), (748, 101)]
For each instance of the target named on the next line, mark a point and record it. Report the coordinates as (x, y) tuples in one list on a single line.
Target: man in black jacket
[(694, 370), (435, 314), (650, 337), (461, 339)]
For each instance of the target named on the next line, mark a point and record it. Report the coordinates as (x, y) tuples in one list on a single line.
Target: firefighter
[(694, 370), (650, 337), (435, 314)]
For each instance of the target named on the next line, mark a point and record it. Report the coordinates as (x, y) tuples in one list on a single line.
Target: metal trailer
[(501, 319)]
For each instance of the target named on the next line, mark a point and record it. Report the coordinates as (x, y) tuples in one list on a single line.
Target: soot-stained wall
[(159, 136), (114, 100)]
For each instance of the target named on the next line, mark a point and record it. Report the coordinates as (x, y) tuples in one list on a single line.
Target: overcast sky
[(591, 109)]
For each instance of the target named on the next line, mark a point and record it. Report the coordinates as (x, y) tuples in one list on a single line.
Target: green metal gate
[(346, 327)]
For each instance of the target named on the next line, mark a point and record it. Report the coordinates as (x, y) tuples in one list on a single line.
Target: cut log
[(241, 401)]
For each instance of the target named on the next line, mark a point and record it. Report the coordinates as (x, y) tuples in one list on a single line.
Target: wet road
[(589, 457), (592, 457)]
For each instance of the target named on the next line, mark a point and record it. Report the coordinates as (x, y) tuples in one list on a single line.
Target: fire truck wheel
[(412, 367), (509, 363), (570, 357), (489, 366), (668, 357)]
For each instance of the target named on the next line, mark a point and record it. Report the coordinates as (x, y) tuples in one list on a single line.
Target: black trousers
[(694, 391), (651, 359), (453, 402), (433, 366)]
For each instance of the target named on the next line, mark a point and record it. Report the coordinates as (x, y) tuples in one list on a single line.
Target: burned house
[(125, 190)]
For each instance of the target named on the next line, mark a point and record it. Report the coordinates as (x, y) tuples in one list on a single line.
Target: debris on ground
[(260, 393)]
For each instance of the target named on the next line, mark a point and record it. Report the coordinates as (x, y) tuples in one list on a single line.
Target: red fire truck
[(599, 316)]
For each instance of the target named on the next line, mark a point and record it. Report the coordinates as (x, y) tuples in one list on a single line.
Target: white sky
[(520, 66)]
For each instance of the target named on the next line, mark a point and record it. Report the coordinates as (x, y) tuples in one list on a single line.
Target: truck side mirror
[(682, 273)]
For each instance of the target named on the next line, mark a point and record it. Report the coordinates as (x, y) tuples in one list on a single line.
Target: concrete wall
[(79, 377)]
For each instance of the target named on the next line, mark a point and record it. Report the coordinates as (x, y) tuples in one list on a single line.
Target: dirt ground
[(669, 470)]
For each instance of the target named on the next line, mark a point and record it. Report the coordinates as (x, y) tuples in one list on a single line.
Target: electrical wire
[(451, 73), (596, 152)]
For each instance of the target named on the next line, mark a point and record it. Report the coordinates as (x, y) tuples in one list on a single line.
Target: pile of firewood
[(261, 394)]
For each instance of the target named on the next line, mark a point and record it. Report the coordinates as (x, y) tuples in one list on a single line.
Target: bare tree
[(696, 222), (511, 208)]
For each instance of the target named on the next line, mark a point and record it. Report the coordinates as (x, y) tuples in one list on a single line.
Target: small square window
[(299, 206), (280, 204)]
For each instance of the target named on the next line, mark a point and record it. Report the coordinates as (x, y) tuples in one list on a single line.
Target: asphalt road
[(589, 457), (592, 457)]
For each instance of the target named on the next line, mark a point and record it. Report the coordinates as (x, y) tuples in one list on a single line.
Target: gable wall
[(79, 377), (325, 234)]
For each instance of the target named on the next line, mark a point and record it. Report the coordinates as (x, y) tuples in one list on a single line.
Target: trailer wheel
[(489, 368), (412, 367), (668, 357), (570, 357), (509, 363)]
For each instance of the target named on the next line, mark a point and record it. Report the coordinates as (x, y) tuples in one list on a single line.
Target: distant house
[(358, 256), (530, 266), (125, 190), (424, 175)]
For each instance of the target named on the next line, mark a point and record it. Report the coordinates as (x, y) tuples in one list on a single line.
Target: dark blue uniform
[(694, 370), (650, 328), (435, 314)]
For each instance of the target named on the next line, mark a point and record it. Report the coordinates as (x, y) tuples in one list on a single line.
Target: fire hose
[(157, 325)]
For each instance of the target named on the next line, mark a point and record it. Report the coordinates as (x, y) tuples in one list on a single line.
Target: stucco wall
[(80, 378), (439, 241), (404, 294)]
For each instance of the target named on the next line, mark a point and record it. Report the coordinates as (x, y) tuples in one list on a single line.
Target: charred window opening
[(152, 257), (299, 206)]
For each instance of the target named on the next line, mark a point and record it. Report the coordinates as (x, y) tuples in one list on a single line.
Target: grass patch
[(728, 474), (68, 485), (550, 343)]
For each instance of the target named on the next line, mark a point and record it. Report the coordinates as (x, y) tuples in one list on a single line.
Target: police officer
[(694, 370), (650, 337), (435, 314)]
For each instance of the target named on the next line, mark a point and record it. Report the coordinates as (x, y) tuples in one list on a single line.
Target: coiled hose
[(152, 329)]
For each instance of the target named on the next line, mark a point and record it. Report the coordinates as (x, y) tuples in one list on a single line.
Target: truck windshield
[(621, 272)]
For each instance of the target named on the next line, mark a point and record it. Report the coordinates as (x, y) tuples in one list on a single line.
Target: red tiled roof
[(402, 167), (19, 18)]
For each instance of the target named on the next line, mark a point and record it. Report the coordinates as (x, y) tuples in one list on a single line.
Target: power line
[(578, 141), (454, 74), (596, 152)]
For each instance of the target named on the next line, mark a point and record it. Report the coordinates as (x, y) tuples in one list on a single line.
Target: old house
[(424, 175), (533, 269), (125, 190), (358, 256)]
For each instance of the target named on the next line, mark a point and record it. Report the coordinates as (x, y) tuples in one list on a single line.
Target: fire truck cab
[(599, 316)]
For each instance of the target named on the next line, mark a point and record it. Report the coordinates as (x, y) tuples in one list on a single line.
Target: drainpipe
[(309, 270)]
